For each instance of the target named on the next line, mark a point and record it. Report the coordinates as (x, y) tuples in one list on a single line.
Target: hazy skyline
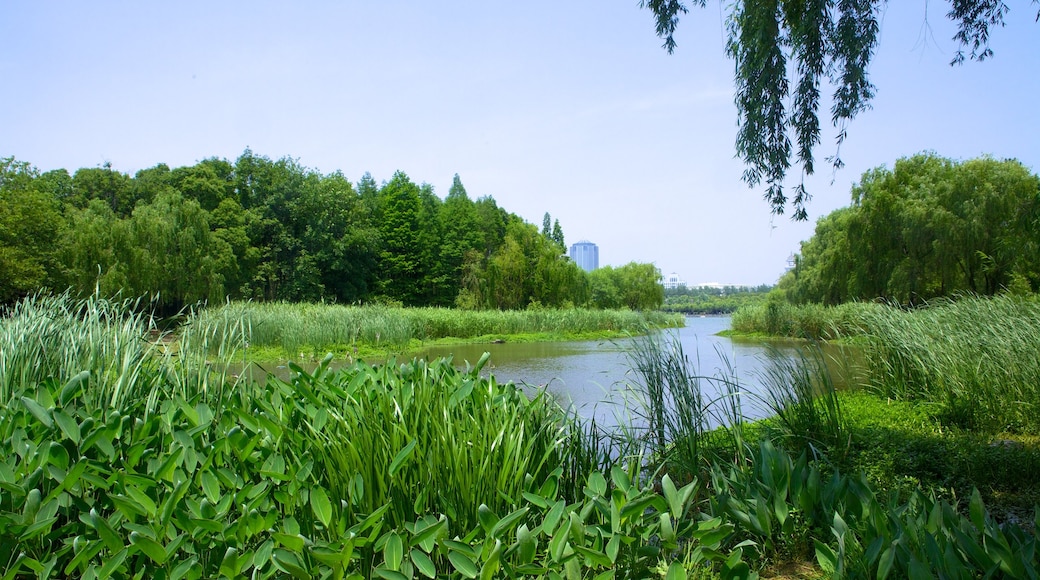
[(568, 108)]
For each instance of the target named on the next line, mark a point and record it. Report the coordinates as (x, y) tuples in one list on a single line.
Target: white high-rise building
[(586, 255)]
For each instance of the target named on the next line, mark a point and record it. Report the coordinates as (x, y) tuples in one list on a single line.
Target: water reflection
[(595, 377)]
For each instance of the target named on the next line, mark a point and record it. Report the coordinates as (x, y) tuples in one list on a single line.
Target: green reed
[(809, 321), (975, 358), (296, 327)]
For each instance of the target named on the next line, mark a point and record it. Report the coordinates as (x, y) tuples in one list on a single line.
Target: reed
[(688, 420), (806, 321), (974, 358), (296, 327)]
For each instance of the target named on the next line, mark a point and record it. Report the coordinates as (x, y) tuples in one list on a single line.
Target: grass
[(282, 330)]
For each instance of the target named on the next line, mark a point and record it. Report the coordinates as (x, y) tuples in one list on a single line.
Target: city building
[(586, 255), (673, 281)]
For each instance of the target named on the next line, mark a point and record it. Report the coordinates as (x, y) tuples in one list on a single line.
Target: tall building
[(673, 281), (586, 255)]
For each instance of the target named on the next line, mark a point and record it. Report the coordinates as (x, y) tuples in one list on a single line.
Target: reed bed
[(108, 351), (808, 321), (317, 326), (975, 358)]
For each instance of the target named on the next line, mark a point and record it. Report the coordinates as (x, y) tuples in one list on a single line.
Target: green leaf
[(321, 506), (508, 521), (38, 411), (393, 552), (463, 564), (73, 388), (888, 558), (487, 518), (527, 544), (826, 557), (149, 547), (423, 563), (112, 564), (68, 425), (976, 510), (675, 572), (288, 562), (671, 495), (401, 457), (210, 486)]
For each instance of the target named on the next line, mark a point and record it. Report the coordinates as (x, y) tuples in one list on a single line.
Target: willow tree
[(784, 50)]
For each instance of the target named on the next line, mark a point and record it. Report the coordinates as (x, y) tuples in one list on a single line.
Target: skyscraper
[(586, 255)]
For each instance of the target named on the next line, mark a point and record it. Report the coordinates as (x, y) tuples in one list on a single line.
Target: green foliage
[(320, 327), (711, 300), (259, 480), (784, 51), (634, 285), (929, 228), (30, 230)]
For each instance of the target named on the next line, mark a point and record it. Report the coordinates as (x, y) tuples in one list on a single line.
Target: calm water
[(595, 378)]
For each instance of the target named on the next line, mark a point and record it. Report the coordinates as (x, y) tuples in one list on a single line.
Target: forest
[(274, 230)]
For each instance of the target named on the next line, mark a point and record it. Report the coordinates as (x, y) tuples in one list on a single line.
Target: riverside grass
[(234, 482), (318, 328)]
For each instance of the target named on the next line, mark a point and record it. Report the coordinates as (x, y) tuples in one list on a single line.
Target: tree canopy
[(784, 50), (928, 228), (262, 229)]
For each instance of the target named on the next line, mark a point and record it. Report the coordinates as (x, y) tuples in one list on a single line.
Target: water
[(595, 377)]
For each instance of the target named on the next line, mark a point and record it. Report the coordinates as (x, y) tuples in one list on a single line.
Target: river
[(595, 376)]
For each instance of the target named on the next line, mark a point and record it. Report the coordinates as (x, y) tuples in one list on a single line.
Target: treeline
[(262, 229), (712, 299), (929, 228)]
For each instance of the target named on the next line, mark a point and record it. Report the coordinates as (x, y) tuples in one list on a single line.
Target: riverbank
[(283, 331)]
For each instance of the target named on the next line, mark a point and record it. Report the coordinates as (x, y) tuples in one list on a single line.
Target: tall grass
[(688, 418), (808, 321), (295, 327), (975, 358), (111, 347), (802, 403)]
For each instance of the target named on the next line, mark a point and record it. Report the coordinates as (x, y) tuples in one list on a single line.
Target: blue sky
[(570, 108)]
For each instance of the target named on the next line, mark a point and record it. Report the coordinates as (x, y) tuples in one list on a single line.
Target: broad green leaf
[(423, 563), (68, 425), (229, 565), (508, 521), (321, 505), (888, 558), (393, 552), (976, 510), (671, 495), (487, 518), (210, 486), (112, 564), (826, 557), (38, 411), (142, 499), (73, 388), (149, 547), (288, 562), (598, 484), (527, 544), (463, 564), (675, 572)]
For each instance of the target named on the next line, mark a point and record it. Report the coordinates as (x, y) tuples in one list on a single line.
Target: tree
[(930, 227), (401, 255), (780, 44), (30, 229)]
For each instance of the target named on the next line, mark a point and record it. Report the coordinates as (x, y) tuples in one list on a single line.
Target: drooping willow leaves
[(784, 50)]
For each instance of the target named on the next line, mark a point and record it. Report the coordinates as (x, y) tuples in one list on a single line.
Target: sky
[(571, 108)]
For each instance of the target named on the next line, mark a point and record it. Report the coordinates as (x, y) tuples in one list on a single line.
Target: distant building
[(673, 281), (586, 255)]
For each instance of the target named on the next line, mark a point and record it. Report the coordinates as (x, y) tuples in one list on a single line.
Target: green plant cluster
[(928, 228), (709, 300), (419, 470), (262, 229), (319, 327)]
